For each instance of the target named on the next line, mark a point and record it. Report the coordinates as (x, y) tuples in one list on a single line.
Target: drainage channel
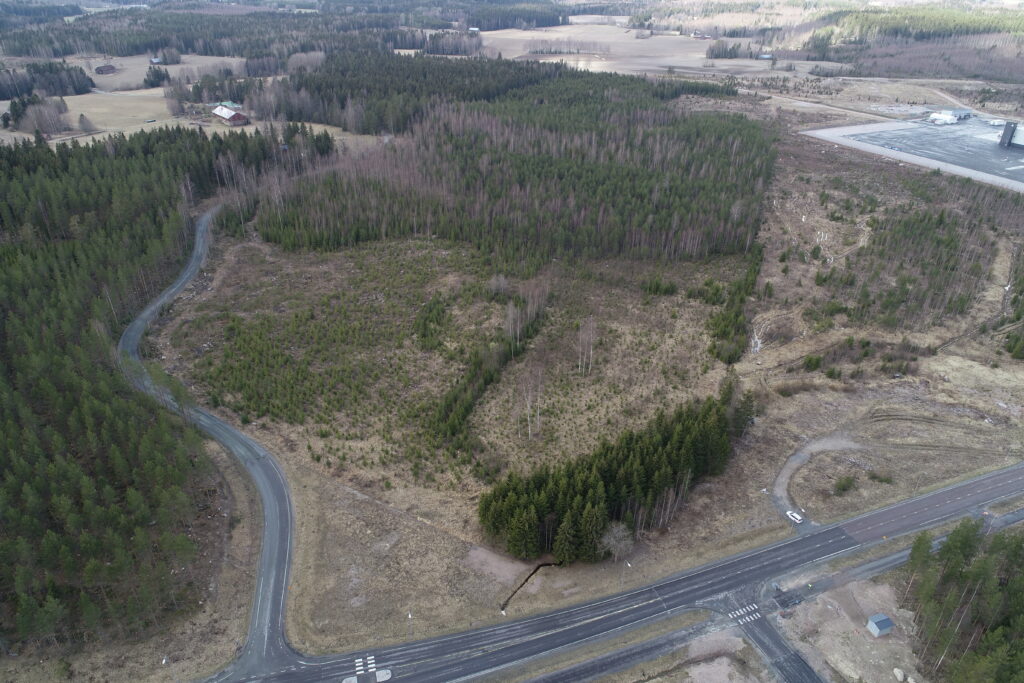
[(526, 581)]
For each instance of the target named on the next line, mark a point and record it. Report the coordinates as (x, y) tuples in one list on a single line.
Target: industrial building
[(1010, 137)]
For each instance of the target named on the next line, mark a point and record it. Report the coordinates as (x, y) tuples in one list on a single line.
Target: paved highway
[(266, 654), (467, 655)]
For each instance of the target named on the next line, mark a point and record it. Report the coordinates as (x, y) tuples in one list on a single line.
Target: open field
[(109, 112), (625, 50), (130, 71), (127, 112)]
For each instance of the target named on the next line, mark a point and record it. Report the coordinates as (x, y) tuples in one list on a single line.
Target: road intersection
[(267, 656)]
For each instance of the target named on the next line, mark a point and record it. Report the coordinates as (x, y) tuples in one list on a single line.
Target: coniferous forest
[(639, 479), (968, 599), (577, 166), (96, 500)]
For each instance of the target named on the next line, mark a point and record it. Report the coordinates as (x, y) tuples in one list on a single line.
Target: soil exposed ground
[(830, 631), (721, 656)]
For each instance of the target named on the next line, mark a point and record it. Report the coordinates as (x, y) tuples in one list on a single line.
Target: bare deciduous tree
[(498, 286), (617, 540), (587, 337), (533, 390), (47, 118)]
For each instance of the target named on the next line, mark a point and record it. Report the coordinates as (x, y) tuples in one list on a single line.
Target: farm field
[(623, 50)]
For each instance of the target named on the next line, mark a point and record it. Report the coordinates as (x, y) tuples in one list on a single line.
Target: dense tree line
[(17, 14), (264, 34), (133, 32), (926, 23), (96, 483), (927, 258), (582, 166), (640, 479), (366, 91), (488, 17), (51, 78), (370, 92), (968, 601)]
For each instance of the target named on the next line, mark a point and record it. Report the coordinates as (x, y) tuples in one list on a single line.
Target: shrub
[(844, 484)]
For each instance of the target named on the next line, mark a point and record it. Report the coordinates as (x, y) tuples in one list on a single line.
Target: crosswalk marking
[(744, 612), (370, 665)]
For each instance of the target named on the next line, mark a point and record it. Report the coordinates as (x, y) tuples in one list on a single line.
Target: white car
[(795, 517)]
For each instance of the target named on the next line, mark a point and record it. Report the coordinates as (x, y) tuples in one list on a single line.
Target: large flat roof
[(969, 148)]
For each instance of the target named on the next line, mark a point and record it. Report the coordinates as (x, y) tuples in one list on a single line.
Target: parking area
[(969, 148)]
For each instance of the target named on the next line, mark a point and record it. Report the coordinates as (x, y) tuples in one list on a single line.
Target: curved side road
[(469, 655), (265, 644)]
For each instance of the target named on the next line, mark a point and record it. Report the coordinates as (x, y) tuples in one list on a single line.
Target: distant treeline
[(128, 32), (580, 166), (640, 479), (15, 15), (924, 23), (260, 34), (495, 17), (53, 78)]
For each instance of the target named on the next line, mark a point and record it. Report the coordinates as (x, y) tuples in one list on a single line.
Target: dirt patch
[(830, 632), (183, 647), (719, 657)]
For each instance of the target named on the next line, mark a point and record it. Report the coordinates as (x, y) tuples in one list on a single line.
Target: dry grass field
[(376, 540), (628, 51)]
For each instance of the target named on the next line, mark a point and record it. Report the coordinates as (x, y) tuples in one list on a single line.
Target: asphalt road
[(266, 654), (265, 647)]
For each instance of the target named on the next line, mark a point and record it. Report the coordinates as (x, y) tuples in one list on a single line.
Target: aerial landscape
[(476, 340)]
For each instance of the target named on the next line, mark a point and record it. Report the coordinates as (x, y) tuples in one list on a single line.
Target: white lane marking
[(1014, 168)]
